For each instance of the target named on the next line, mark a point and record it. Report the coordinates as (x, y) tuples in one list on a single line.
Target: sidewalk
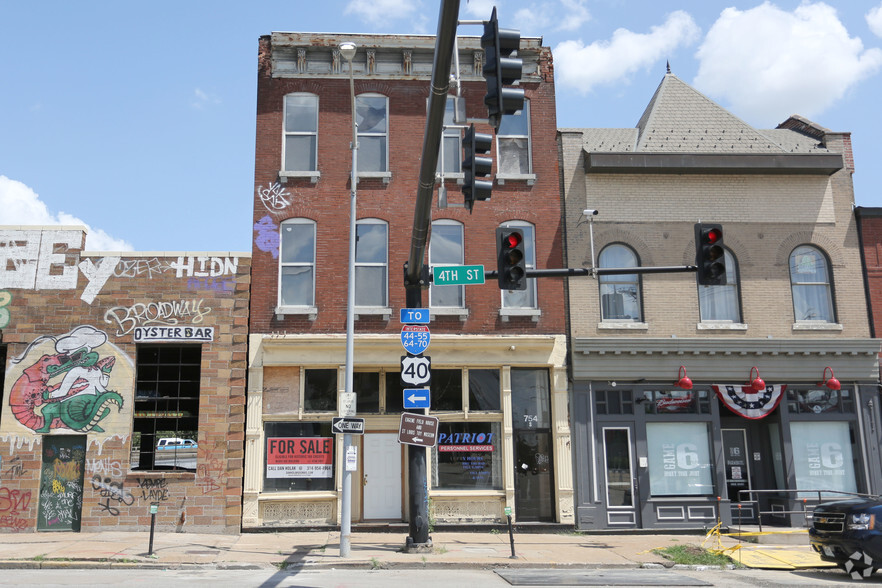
[(318, 549)]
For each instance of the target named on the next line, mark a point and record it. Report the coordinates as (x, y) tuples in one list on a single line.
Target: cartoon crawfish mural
[(67, 389)]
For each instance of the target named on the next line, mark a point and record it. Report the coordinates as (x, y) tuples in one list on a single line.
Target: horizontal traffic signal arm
[(601, 271)]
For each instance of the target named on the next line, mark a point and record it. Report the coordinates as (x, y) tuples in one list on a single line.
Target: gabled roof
[(684, 131)]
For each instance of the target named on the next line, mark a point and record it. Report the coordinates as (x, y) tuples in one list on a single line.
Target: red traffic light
[(513, 239), (713, 235)]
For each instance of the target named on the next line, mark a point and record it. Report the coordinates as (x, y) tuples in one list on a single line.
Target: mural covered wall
[(123, 385)]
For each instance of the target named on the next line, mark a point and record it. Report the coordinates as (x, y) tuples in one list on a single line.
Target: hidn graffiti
[(37, 260), (126, 318), (64, 383)]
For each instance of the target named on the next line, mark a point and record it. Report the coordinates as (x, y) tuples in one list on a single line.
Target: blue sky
[(138, 120)]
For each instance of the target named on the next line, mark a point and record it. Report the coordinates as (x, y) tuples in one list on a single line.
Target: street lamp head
[(347, 50)]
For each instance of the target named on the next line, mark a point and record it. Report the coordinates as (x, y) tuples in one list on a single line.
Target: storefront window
[(468, 456), (819, 400), (446, 390), (530, 399), (822, 456), (484, 390), (679, 459), (320, 391), (298, 456), (675, 401), (614, 401), (366, 386)]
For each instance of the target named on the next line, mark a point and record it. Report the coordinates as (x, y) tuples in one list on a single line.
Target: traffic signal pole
[(415, 278)]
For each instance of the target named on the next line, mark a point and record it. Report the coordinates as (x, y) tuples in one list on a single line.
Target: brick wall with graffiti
[(123, 381)]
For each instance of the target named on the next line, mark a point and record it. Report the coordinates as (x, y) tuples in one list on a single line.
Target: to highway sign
[(417, 429), (343, 425), (415, 371), (418, 316), (419, 398)]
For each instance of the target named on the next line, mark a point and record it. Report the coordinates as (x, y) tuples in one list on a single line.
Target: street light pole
[(347, 50)]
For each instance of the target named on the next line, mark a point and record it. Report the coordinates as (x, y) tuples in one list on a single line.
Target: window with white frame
[(619, 294), (523, 298), (451, 142), (446, 248), (297, 263), (371, 263), (300, 144), (810, 285), (722, 303), (513, 144), (371, 116)]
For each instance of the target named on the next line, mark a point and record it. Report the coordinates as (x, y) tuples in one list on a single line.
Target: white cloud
[(605, 62), (874, 20), (768, 63), (22, 206), (202, 98), (575, 15), (481, 9), (378, 12)]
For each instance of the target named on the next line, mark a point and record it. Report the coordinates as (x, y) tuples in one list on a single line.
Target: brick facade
[(56, 297)]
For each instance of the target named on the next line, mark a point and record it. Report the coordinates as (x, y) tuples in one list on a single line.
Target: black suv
[(849, 533)]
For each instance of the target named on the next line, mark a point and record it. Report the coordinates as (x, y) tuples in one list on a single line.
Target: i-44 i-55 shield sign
[(416, 371), (415, 338)]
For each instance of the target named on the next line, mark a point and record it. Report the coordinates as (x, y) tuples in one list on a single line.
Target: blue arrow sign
[(415, 338), (415, 316), (417, 398)]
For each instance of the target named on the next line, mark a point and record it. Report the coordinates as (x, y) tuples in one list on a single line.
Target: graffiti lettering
[(15, 469), (28, 259), (215, 284), (153, 489), (267, 236), (104, 466), (14, 523), (5, 315), (112, 490), (132, 268), (205, 267), (14, 502), (273, 197), (105, 506), (67, 470), (97, 276), (155, 313), (210, 473)]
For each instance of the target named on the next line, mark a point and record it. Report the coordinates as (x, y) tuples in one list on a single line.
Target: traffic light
[(475, 167), (710, 256), (511, 261), (500, 69)]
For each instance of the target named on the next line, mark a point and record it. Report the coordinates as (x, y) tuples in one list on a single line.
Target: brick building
[(650, 453), (498, 358), (869, 220), (123, 385)]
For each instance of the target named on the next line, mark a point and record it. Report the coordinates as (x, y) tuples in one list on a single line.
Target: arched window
[(523, 298), (810, 284), (300, 144), (297, 263), (372, 116), (620, 294), (722, 303)]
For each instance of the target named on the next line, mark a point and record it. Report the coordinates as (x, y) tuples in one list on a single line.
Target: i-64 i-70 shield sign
[(416, 371)]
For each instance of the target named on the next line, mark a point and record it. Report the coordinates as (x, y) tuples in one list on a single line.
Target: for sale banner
[(300, 457)]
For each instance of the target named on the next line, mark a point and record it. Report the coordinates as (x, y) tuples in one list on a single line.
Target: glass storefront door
[(620, 482), (531, 421)]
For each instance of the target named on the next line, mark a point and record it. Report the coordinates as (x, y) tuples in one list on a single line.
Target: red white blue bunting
[(747, 402)]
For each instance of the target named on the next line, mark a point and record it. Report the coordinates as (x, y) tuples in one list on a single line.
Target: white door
[(382, 476)]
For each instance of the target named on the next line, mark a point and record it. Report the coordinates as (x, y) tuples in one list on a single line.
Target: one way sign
[(343, 425)]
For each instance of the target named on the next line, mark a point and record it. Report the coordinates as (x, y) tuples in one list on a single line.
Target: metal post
[(154, 506), (444, 43), (348, 52)]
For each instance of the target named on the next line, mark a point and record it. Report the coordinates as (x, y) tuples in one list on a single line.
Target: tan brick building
[(652, 454), (498, 359), (123, 385)]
